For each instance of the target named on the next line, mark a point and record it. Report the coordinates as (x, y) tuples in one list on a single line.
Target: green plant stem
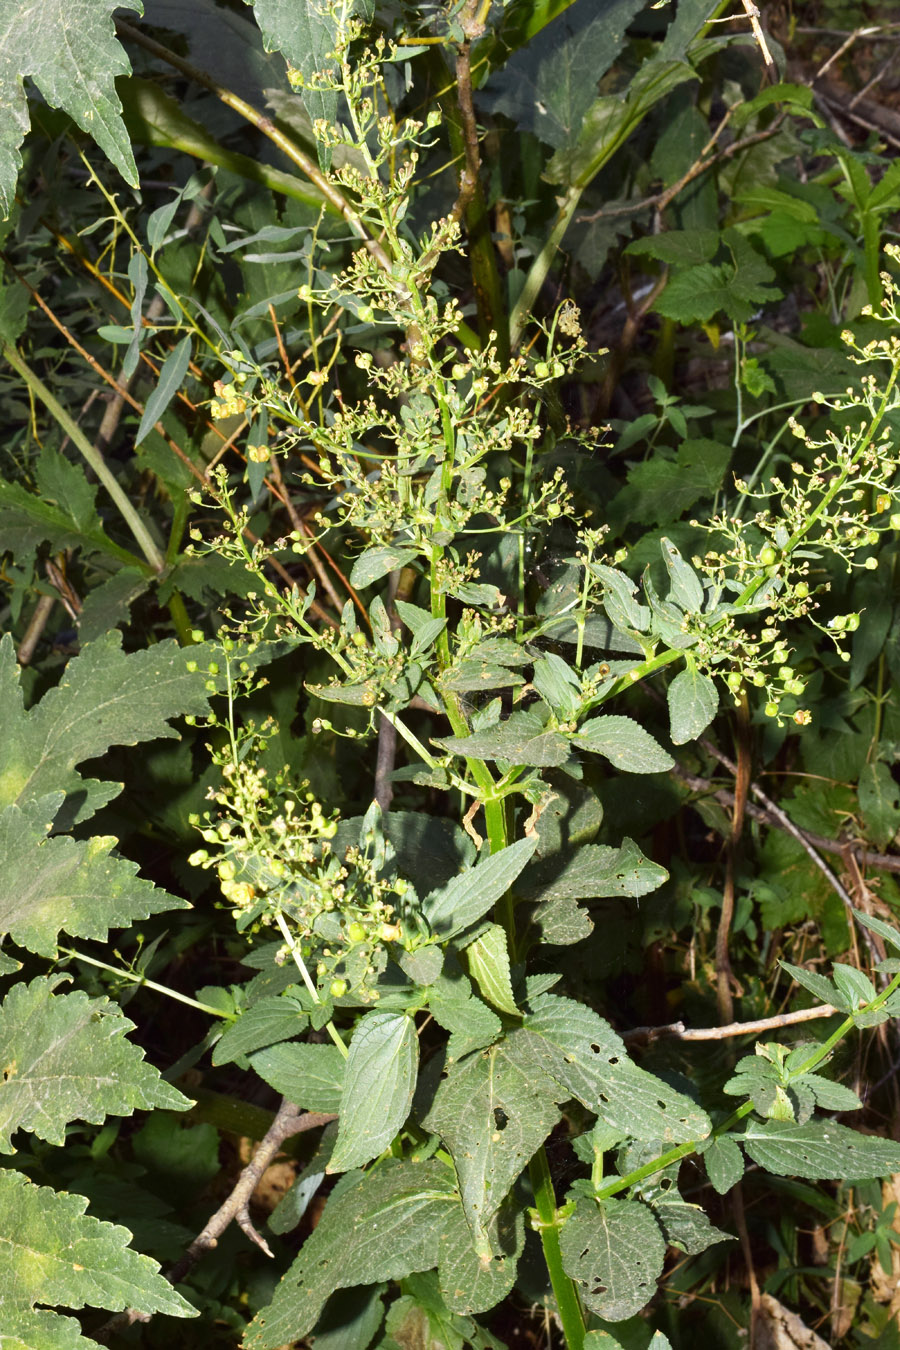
[(142, 536), (568, 1304), (137, 978), (308, 981)]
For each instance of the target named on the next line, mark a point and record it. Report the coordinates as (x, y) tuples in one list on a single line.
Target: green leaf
[(853, 984), (493, 1110), (382, 1225), (521, 739), (614, 1252), (66, 486), (378, 1088), (686, 588), (821, 1150), (312, 1076), (879, 801), (171, 377), (105, 697), (64, 1057), (68, 48), (884, 930), (687, 1226), (661, 489), (52, 1252), (465, 899), (596, 871), (26, 521), (269, 1021), (471, 1023), (678, 246), (377, 562), (576, 1047), (468, 1284), (724, 1163), (624, 743), (63, 883), (547, 87), (558, 685), (693, 703), (488, 959), (817, 984)]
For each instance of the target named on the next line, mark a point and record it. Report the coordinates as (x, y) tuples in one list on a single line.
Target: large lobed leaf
[(105, 697), (51, 1252), (68, 48), (61, 883), (64, 1057)]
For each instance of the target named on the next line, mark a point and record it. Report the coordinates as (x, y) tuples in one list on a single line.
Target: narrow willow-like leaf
[(378, 1088), (171, 378), (64, 1057), (381, 1225), (465, 899), (615, 1254), (52, 1252), (312, 1076), (493, 1112)]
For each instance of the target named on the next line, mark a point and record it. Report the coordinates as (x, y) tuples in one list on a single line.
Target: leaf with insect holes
[(693, 703), (614, 1252), (379, 1225), (65, 1058)]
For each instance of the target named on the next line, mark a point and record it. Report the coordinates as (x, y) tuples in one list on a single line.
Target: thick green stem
[(90, 453), (567, 1302)]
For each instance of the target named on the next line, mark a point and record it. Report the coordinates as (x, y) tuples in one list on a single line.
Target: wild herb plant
[(442, 1138)]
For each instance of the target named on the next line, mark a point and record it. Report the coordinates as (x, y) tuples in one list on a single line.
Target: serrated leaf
[(61, 883), (383, 1225), (471, 1023), (821, 1150), (521, 739), (64, 1057), (66, 486), (884, 930), (615, 1254), (488, 959), (853, 984), (576, 1047), (269, 1021), (683, 247), (823, 988), (105, 697), (879, 801), (312, 1076), (595, 872), (724, 1163), (469, 1284), (377, 562), (693, 703), (69, 49), (465, 899), (558, 685), (687, 1226), (493, 1112), (379, 1081), (686, 587), (26, 521), (52, 1252), (624, 743), (171, 377), (547, 86)]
